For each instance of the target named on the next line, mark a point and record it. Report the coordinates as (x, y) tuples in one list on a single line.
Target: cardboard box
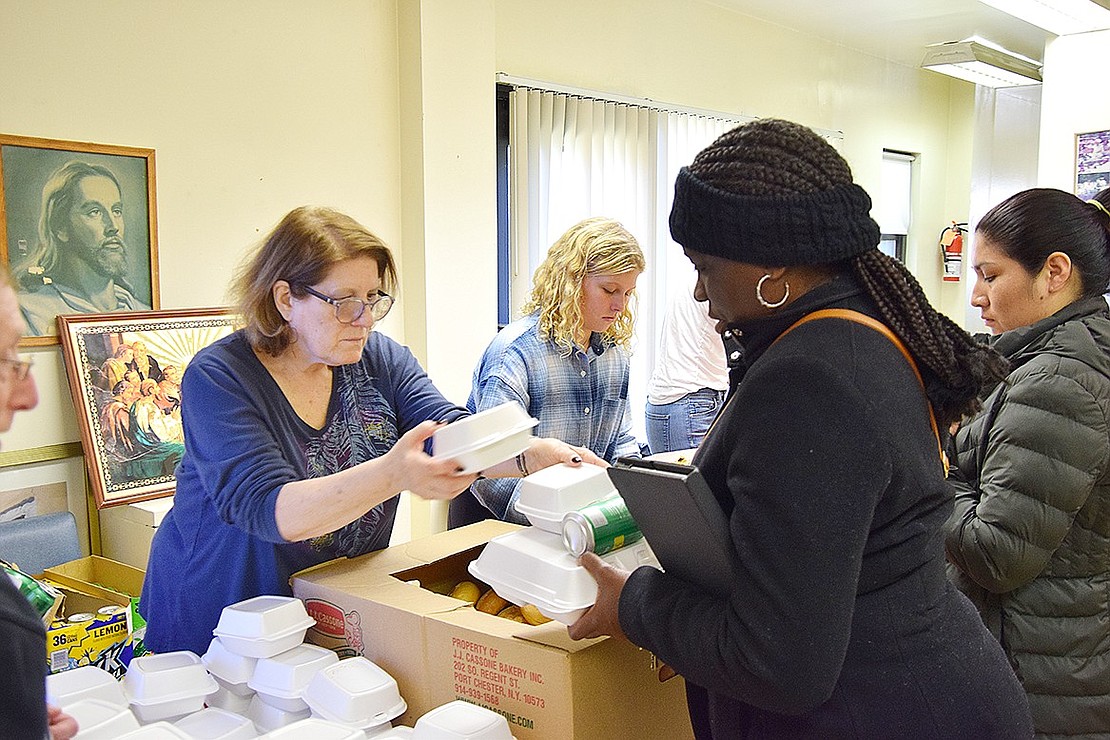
[(439, 649), (105, 582), (103, 641), (98, 576), (127, 531)]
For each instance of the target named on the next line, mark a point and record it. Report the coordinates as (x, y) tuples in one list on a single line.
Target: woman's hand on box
[(601, 618), (428, 477)]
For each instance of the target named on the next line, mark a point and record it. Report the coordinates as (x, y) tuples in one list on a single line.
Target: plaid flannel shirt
[(581, 399)]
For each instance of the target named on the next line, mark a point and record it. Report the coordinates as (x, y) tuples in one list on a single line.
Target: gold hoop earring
[(763, 301)]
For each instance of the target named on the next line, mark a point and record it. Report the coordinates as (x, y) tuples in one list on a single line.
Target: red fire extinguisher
[(952, 249)]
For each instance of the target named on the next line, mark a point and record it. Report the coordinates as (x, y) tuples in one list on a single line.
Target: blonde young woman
[(566, 360)]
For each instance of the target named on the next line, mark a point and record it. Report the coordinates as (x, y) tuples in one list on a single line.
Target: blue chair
[(40, 542)]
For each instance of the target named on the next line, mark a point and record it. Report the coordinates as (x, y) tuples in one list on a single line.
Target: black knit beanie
[(808, 217)]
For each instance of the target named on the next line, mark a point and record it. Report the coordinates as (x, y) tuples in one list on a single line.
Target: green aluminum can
[(600, 527), (42, 601)]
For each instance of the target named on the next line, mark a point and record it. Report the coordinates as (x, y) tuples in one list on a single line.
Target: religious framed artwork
[(124, 372), (1092, 163), (78, 229)]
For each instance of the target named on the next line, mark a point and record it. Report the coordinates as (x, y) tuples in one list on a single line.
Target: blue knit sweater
[(220, 544)]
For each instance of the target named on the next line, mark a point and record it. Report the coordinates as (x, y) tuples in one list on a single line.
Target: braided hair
[(772, 158)]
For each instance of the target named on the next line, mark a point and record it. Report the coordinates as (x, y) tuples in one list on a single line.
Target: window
[(896, 197), (503, 273), (572, 154), (894, 245)]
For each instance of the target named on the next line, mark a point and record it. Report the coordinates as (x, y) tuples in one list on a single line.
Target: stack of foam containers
[(214, 723), (161, 730), (315, 728), (157, 691), (532, 565), (455, 720), (260, 662), (232, 673), (356, 693), (258, 678), (86, 682), (167, 686), (459, 720)]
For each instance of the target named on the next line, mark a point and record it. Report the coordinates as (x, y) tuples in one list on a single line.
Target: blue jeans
[(682, 425)]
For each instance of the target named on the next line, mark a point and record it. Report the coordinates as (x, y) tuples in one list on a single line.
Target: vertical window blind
[(574, 156)]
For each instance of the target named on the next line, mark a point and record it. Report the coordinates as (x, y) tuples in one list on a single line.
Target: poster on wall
[(125, 372), (78, 229), (1092, 163)]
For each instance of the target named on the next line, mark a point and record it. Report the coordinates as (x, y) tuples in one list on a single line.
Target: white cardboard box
[(126, 531)]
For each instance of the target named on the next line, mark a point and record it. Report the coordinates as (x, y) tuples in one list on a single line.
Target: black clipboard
[(680, 518)]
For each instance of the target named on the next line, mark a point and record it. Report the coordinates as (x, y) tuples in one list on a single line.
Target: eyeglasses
[(20, 368), (350, 310)]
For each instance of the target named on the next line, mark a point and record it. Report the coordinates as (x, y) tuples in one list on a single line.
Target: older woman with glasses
[(301, 430)]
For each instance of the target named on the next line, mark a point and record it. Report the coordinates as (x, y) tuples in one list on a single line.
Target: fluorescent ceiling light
[(1060, 17), (981, 64)]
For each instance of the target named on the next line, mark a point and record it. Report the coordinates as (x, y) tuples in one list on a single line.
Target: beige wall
[(252, 107), (384, 108), (1073, 101), (700, 55)]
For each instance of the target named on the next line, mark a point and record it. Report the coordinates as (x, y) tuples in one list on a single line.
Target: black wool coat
[(841, 623), (22, 666)]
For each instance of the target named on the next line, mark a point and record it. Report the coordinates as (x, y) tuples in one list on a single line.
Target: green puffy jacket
[(1029, 540)]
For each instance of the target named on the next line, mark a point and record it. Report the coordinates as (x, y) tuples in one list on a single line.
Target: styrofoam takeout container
[(267, 717), (356, 692), (263, 626), (372, 730), (156, 731), (101, 720), (486, 438), (546, 495), (400, 732), (225, 698), (531, 566), (217, 724), (460, 720), (281, 679), (167, 686), (84, 682), (315, 728), (230, 669), (632, 556)]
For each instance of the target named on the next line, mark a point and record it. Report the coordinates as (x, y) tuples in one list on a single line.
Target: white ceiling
[(898, 30)]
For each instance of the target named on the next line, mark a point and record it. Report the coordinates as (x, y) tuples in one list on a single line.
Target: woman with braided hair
[(840, 622), (1029, 539)]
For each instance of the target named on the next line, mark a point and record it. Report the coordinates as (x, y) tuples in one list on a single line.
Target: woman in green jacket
[(1029, 540)]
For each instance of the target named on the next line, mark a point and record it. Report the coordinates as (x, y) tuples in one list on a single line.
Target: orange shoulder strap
[(860, 318)]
